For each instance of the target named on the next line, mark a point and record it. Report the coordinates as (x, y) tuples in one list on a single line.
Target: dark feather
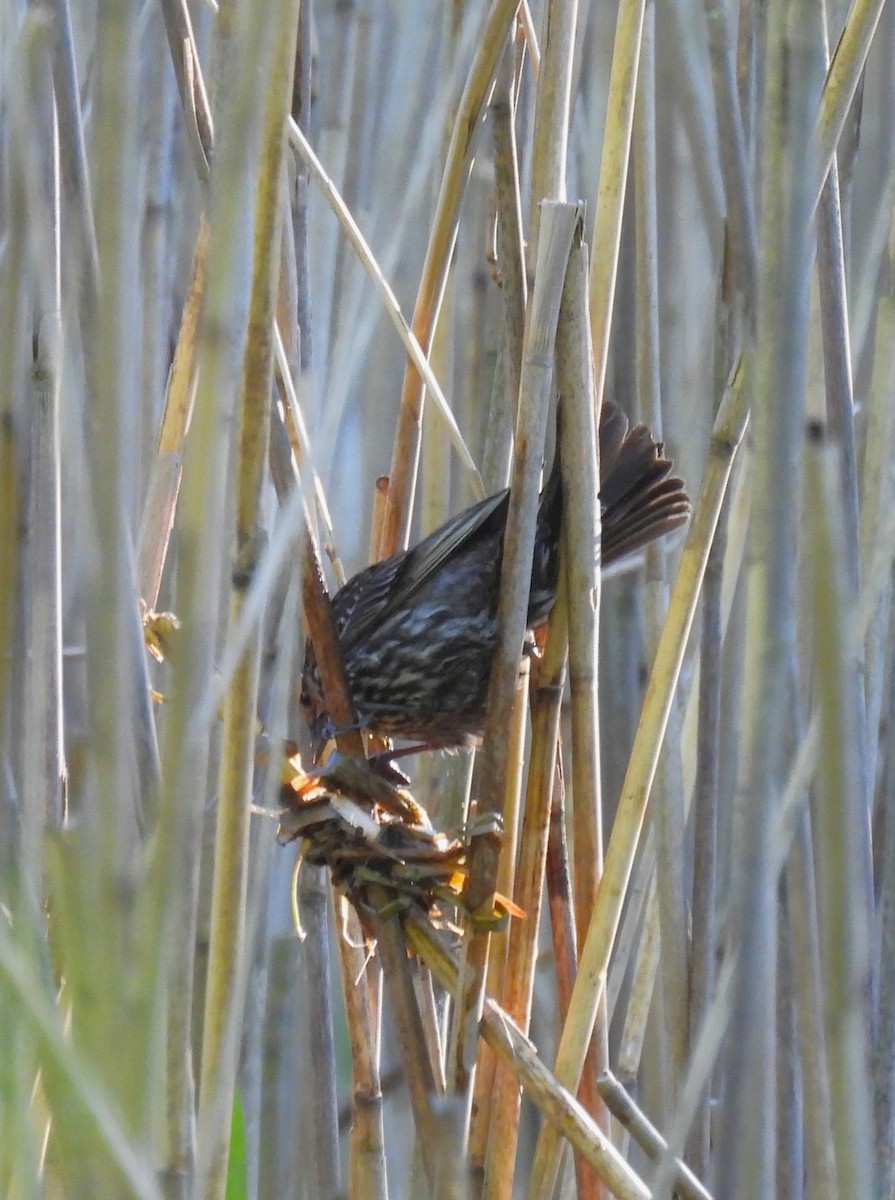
[(418, 631)]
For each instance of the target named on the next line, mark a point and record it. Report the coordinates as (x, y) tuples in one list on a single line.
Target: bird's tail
[(640, 499)]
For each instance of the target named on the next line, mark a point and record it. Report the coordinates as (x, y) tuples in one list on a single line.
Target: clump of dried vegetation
[(653, 918)]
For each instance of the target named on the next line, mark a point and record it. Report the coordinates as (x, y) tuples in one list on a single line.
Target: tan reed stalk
[(510, 237), (12, 443), (558, 225), (705, 821), (443, 233), (581, 516), (732, 146), (668, 804), (838, 386), (421, 1083), (549, 154), (640, 995), (841, 830), (43, 799), (558, 880), (227, 940), (820, 1166), (190, 84), (498, 450), (884, 1041), (362, 993), (21, 832), (522, 945), (411, 1032), (517, 1051), (613, 180), (843, 75), (793, 61), (876, 498), (622, 1106), (186, 752), (367, 1178), (415, 348), (75, 176), (103, 862), (165, 473), (498, 977), (603, 269), (155, 258), (729, 429)]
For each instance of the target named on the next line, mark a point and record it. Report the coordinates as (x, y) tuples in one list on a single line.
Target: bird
[(418, 631)]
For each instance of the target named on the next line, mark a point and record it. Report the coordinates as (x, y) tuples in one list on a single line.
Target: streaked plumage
[(418, 630)]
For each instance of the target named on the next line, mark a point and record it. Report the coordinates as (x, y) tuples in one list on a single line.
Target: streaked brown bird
[(418, 631)]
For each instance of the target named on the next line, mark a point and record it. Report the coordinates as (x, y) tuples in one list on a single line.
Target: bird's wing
[(385, 587)]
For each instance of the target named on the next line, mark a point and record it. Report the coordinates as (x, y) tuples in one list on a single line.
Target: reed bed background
[(212, 218)]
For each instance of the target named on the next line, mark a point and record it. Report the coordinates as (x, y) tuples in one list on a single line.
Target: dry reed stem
[(12, 445), (164, 479), (581, 529), (75, 176), (361, 990), (415, 350), (732, 146), (549, 153), (789, 813), (640, 994), (321, 629), (613, 181), (801, 899), (558, 879), (223, 999), (397, 971), (622, 1106), (843, 76), (794, 65), (884, 1041), (43, 758), (109, 786), (668, 804), (498, 978), (841, 823), (190, 85), (186, 751), (442, 237), (516, 1051), (510, 236), (704, 930), (589, 987), (876, 498), (581, 526), (528, 894), (558, 224)]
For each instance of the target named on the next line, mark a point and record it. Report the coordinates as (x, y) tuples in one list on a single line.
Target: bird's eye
[(304, 699)]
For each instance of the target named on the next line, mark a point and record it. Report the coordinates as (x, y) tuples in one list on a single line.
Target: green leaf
[(237, 1171)]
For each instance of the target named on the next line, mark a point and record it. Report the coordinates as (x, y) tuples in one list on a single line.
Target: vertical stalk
[(747, 1157), (621, 851), (227, 948), (841, 862), (559, 223)]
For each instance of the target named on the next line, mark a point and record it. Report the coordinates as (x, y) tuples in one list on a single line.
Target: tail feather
[(640, 499)]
